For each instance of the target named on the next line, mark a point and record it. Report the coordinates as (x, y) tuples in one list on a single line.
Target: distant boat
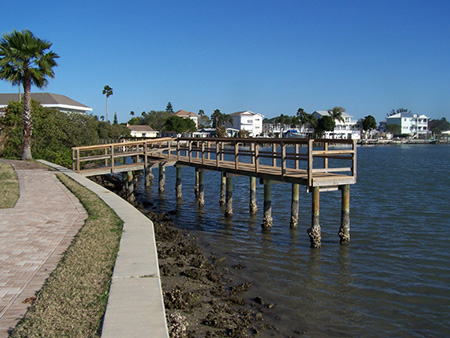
[(292, 133)]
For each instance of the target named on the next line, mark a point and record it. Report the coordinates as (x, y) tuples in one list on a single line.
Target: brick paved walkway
[(33, 236)]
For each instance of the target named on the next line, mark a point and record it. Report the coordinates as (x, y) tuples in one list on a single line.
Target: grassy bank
[(9, 187), (72, 301)]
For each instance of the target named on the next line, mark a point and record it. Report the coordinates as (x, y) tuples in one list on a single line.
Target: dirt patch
[(26, 165), (199, 296)]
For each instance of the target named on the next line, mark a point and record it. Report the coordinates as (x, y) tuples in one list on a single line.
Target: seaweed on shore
[(198, 298)]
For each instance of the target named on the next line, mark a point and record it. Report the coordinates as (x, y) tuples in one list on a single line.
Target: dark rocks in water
[(259, 300), (147, 204), (238, 267), (240, 288)]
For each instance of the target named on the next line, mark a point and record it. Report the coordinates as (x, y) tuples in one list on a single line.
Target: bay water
[(393, 280)]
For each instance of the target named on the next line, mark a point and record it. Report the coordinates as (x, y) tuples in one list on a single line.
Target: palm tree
[(25, 59), (336, 113), (108, 91)]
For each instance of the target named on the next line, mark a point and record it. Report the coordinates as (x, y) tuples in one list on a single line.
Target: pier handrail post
[(202, 147), (145, 155), (256, 157), (178, 149), (208, 151), (78, 160), (297, 161), (217, 154), (283, 159), (274, 155), (252, 151), (106, 153), (236, 155), (189, 149), (354, 145), (310, 161), (325, 159), (112, 158)]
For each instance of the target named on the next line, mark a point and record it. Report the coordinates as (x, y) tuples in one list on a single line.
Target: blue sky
[(271, 57)]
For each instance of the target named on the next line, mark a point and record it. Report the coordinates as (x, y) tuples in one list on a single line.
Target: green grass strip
[(9, 186), (73, 300)]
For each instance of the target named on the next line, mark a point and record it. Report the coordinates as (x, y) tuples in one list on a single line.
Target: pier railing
[(314, 162)]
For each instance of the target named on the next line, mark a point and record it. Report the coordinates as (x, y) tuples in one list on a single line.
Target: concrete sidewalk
[(34, 234)]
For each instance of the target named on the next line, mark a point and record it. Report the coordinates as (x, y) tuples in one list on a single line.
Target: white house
[(411, 124), (187, 115), (346, 129), (142, 131), (247, 120), (50, 100)]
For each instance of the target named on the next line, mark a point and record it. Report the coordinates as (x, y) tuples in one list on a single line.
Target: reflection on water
[(393, 278)]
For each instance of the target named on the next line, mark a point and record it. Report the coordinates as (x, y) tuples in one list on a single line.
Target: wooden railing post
[(112, 158), (310, 162), (256, 157), (236, 155), (178, 149), (202, 145), (283, 159), (274, 155), (297, 151), (78, 160), (190, 150), (217, 154), (354, 159), (325, 159)]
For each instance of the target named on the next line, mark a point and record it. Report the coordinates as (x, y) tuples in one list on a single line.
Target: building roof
[(185, 113), (245, 112), (139, 127), (326, 113), (406, 114), (47, 100)]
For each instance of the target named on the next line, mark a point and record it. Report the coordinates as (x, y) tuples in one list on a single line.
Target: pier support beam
[(127, 178), (294, 205), (267, 220), (178, 184), (201, 188), (162, 177), (315, 232), (252, 204), (196, 183), (229, 196), (223, 187), (344, 231), (148, 175)]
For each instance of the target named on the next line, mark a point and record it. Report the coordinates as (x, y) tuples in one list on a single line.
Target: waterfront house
[(50, 100), (410, 124), (142, 131), (187, 115), (346, 129), (248, 121)]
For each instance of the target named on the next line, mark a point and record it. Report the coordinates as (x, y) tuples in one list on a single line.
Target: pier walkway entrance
[(318, 164)]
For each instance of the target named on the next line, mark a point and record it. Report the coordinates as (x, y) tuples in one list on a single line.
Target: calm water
[(392, 280)]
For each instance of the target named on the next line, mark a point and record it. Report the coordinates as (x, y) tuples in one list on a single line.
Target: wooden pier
[(318, 164)]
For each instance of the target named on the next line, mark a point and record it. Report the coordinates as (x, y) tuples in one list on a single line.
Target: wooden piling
[(229, 196), (148, 175), (344, 231), (201, 188), (162, 177), (315, 231), (196, 183), (267, 220), (223, 187), (294, 205), (252, 204), (178, 184)]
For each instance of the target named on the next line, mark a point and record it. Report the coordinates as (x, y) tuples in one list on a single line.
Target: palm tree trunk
[(26, 154)]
